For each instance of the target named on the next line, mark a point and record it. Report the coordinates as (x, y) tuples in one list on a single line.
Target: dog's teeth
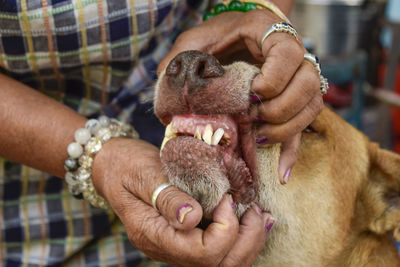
[(219, 133), (190, 125), (208, 133), (197, 134), (165, 140), (227, 138), (170, 131)]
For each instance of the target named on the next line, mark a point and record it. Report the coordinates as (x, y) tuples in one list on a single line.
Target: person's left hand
[(288, 87)]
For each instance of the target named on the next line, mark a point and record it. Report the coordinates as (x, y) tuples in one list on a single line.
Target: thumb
[(182, 211)]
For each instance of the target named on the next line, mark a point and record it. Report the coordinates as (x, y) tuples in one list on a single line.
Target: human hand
[(288, 87), (126, 172)]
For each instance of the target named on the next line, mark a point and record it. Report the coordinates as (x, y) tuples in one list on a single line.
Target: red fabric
[(395, 110)]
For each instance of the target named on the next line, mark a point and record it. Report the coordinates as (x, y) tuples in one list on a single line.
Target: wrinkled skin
[(334, 212)]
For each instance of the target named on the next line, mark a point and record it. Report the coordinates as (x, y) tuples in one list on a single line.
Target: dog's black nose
[(193, 67)]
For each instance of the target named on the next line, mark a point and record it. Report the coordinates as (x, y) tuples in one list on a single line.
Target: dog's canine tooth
[(207, 134), (217, 136), (197, 133), (165, 140), (170, 133)]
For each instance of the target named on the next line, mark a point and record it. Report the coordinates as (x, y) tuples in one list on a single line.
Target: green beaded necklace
[(232, 6)]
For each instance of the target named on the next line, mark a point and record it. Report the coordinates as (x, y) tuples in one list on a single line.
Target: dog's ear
[(382, 193)]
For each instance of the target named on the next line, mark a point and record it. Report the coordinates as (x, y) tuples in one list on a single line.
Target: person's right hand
[(127, 171)]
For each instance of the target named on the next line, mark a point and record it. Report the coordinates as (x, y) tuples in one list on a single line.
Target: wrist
[(105, 162), (89, 141)]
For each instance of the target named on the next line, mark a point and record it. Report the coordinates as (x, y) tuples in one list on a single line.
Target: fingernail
[(261, 140), (287, 176), (259, 118), (233, 205), (258, 209), (182, 211), (254, 98), (269, 226)]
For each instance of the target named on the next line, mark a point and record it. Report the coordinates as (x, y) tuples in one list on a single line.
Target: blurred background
[(358, 44)]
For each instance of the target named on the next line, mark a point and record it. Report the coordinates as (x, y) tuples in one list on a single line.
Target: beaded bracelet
[(244, 6), (88, 142)]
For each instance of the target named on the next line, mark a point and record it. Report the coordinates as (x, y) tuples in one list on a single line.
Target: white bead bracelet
[(88, 142)]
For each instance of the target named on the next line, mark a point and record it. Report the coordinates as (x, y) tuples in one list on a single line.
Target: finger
[(181, 210), (283, 56), (303, 87), (152, 234), (253, 231), (223, 231), (288, 157), (282, 132)]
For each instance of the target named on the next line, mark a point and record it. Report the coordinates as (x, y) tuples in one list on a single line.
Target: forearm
[(35, 129)]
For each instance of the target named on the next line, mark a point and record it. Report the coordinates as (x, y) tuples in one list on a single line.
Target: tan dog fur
[(342, 201)]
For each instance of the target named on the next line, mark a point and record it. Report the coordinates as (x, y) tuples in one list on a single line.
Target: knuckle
[(270, 88), (291, 48), (296, 50), (317, 105), (315, 85), (167, 199), (312, 79), (274, 135), (279, 114)]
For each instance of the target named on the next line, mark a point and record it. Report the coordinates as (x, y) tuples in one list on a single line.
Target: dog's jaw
[(207, 170)]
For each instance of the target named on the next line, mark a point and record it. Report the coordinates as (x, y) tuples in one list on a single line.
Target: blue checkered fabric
[(81, 53)]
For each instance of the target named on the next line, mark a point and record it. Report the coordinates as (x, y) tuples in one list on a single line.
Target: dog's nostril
[(194, 68), (200, 69), (174, 68)]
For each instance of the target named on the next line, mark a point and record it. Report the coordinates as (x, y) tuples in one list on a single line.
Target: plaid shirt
[(80, 52)]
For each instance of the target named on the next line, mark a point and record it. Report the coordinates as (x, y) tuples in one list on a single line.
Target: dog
[(342, 204)]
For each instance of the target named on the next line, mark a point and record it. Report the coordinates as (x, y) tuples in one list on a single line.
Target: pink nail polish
[(269, 226), (233, 205), (254, 98), (287, 176), (261, 140), (182, 211), (260, 118)]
